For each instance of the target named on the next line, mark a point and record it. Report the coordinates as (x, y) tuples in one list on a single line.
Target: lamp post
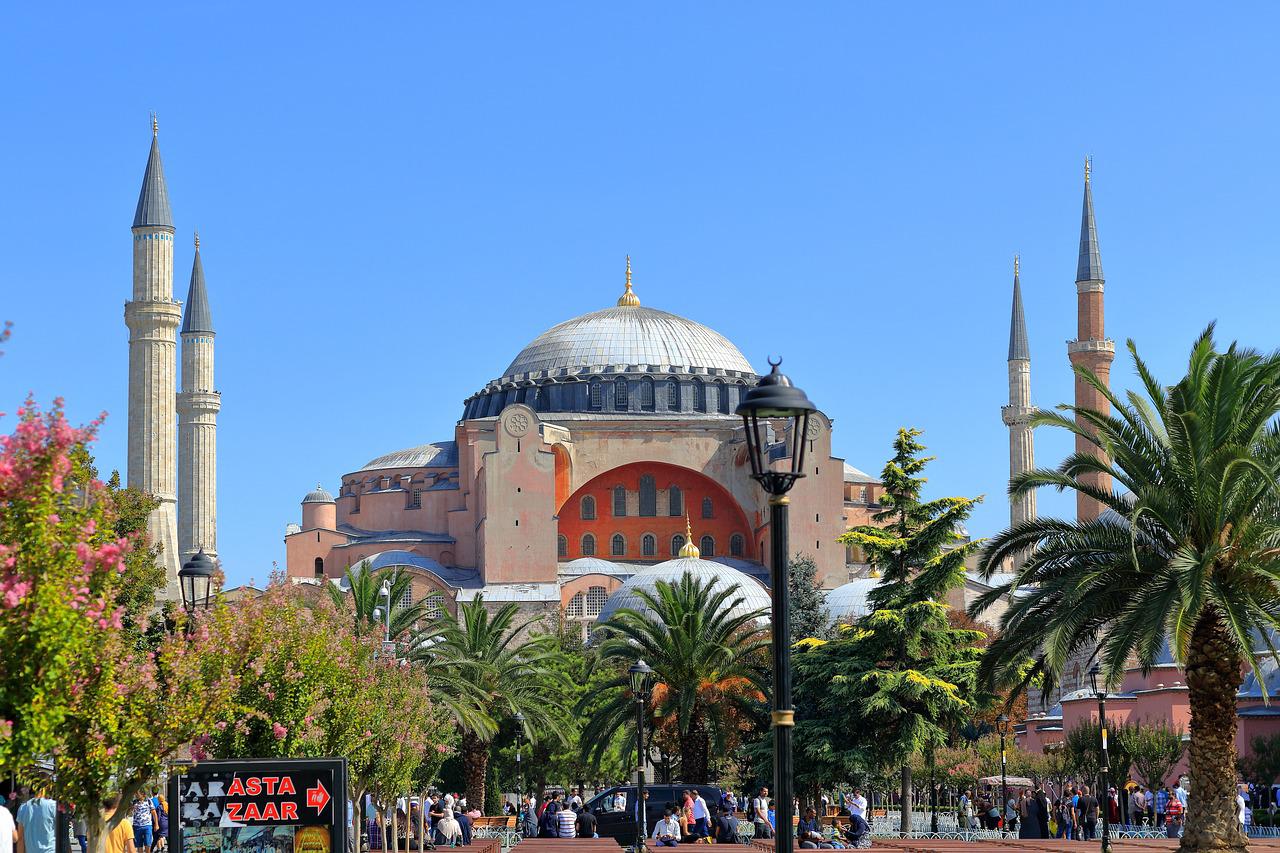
[(194, 580), (1002, 727), (1104, 793), (641, 683), (775, 398), (385, 592), (519, 721)]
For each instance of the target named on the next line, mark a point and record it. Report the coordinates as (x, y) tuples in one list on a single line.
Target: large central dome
[(628, 335), (626, 359)]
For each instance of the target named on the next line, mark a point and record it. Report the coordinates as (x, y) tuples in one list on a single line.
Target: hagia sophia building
[(603, 458)]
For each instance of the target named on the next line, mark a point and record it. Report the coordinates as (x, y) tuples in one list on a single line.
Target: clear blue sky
[(392, 200)]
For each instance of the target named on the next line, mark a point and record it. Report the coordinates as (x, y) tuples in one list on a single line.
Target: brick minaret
[(152, 317), (1017, 415), (198, 406), (1091, 348)]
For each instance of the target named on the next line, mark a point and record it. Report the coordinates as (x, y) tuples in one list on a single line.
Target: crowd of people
[(30, 822), (1075, 814)]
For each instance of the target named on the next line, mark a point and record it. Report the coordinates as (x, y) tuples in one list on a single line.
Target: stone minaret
[(1017, 415), (152, 317), (1091, 348), (198, 406)]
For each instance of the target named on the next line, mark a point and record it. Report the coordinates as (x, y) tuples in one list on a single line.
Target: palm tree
[(709, 662), (1189, 550), (484, 668), (365, 587)]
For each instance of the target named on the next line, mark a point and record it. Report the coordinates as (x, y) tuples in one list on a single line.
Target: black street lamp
[(1104, 792), (194, 580), (519, 721), (641, 684), (775, 398), (1002, 727)]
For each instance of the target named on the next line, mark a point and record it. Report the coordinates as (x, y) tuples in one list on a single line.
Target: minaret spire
[(198, 406), (1091, 348), (153, 200), (1018, 413)]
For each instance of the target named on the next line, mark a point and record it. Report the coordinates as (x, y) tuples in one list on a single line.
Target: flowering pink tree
[(75, 686)]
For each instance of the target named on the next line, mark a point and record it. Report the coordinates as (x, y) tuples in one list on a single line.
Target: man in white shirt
[(667, 831), (8, 830), (760, 814), (858, 804), (701, 816)]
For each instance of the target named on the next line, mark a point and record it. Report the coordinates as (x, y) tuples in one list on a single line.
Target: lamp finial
[(628, 299)]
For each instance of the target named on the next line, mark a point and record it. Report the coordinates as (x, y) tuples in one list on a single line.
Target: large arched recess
[(727, 518)]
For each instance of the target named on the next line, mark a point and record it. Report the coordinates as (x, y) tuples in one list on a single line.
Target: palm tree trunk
[(475, 758), (1213, 675), (694, 751), (905, 824)]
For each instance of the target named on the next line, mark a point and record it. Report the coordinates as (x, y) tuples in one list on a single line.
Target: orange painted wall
[(729, 517)]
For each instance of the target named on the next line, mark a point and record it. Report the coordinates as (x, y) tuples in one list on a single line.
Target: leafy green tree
[(902, 672), (364, 597), (709, 661), (1083, 747), (1186, 551), (1154, 750), (488, 668), (808, 602), (1263, 766)]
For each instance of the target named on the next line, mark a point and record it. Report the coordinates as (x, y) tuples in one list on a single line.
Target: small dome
[(442, 454), (753, 594), (319, 496), (848, 602), (594, 566)]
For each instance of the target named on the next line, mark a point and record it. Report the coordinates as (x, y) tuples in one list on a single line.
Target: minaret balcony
[(1017, 415), (1106, 345)]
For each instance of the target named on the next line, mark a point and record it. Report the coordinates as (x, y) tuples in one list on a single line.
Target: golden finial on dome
[(689, 550), (629, 299)]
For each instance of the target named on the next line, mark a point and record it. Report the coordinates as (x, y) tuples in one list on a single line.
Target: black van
[(622, 825)]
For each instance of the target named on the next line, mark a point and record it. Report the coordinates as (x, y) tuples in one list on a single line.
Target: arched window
[(433, 606), (620, 394), (862, 494), (699, 395), (673, 395), (319, 567), (649, 545), (596, 597), (562, 546), (588, 512), (707, 546), (648, 495), (575, 608), (619, 501), (736, 545), (707, 508), (722, 397), (406, 600), (597, 394), (646, 394), (675, 502), (618, 545), (588, 545), (677, 542)]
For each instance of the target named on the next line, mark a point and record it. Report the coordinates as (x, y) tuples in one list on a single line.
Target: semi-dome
[(751, 592), (628, 336), (849, 601), (442, 454), (319, 496)]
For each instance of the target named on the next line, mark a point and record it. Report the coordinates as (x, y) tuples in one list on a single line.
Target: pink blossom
[(279, 731)]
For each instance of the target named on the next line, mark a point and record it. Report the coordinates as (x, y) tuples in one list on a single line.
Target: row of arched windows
[(649, 545), (648, 502), (707, 396)]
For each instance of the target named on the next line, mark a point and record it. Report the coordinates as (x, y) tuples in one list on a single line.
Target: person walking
[(1087, 807), (1162, 804), (760, 814), (701, 816), (1174, 814), (1011, 814)]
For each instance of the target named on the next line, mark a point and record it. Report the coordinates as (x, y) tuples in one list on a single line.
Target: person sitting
[(448, 828), (667, 831), (464, 823), (586, 822), (724, 827), (856, 831), (809, 831)]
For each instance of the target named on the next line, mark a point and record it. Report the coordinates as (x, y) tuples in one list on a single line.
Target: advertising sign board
[(268, 805)]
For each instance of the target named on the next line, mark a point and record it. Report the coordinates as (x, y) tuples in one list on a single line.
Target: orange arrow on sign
[(318, 797)]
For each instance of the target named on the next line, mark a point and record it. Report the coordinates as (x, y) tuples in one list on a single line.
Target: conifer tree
[(808, 602)]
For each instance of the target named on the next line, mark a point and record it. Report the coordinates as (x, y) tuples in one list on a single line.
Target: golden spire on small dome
[(688, 549), (629, 299)]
